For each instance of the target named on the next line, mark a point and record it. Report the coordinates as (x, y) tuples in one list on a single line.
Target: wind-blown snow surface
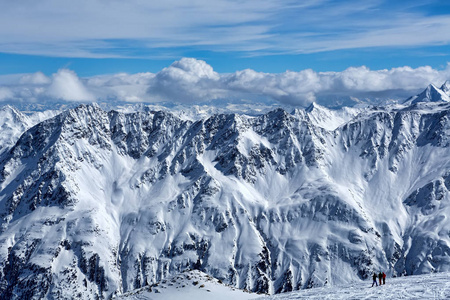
[(96, 203)]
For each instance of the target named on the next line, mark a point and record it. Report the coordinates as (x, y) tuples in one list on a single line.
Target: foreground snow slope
[(430, 286), (96, 204), (189, 285)]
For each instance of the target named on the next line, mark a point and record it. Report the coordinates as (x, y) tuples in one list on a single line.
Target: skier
[(380, 276), (384, 278), (374, 279)]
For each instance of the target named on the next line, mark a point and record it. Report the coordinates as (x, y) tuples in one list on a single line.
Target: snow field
[(430, 286), (195, 285), (188, 285)]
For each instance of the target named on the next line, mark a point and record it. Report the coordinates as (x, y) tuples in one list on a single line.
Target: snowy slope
[(13, 123), (329, 119), (432, 94), (189, 285), (99, 203), (431, 286)]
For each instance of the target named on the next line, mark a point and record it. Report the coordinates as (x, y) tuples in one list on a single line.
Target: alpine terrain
[(96, 204)]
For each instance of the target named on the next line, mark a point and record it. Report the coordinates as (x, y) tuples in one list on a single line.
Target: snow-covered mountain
[(13, 123), (329, 119), (432, 94), (97, 203)]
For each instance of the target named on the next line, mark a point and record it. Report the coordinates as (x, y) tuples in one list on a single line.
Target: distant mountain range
[(96, 203)]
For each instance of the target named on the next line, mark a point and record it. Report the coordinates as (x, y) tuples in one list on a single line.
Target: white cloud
[(362, 79), (67, 86), (37, 78), (5, 93), (135, 28), (122, 86), (297, 88), (192, 81), (293, 88), (96, 28), (187, 80)]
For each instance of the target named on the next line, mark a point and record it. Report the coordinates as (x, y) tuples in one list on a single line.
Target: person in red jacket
[(384, 278)]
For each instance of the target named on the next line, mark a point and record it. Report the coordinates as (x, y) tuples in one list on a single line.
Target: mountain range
[(97, 203)]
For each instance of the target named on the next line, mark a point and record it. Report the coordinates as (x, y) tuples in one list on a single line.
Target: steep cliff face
[(96, 203)]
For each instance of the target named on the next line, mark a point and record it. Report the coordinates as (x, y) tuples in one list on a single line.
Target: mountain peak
[(432, 94), (446, 87), (229, 195), (313, 106), (11, 113), (6, 107), (432, 88)]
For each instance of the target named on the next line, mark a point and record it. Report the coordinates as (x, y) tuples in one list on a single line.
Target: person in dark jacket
[(374, 279), (380, 277), (384, 278)]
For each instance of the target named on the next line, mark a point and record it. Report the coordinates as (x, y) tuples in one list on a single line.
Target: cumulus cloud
[(67, 86), (37, 78), (295, 88), (363, 79), (122, 86), (193, 81), (5, 93), (187, 80)]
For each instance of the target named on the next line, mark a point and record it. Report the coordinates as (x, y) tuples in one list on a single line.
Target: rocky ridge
[(96, 203)]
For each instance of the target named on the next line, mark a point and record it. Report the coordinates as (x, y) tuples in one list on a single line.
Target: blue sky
[(290, 52), (95, 37)]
